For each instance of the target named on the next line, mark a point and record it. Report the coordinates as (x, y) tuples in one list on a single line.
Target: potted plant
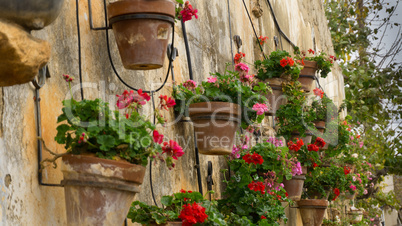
[(295, 117), (142, 29), (182, 208), (324, 110), (321, 183), (106, 154), (276, 69), (218, 106), (251, 195), (313, 63)]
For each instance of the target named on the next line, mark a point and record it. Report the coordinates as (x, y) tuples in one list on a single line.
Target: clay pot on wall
[(312, 211), (215, 125), (99, 191), (142, 29), (294, 186), (307, 75), (320, 126), (276, 98), (306, 139), (355, 216)]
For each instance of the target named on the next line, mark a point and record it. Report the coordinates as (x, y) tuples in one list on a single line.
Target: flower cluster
[(346, 170), (275, 141), (254, 158), (318, 92), (187, 12), (313, 147), (192, 214), (257, 186), (238, 57), (241, 67), (336, 193), (130, 98), (287, 61), (260, 108), (166, 103), (82, 138), (190, 84), (262, 40), (247, 78), (319, 142), (68, 78), (295, 146), (173, 149), (212, 79), (240, 147), (296, 168)]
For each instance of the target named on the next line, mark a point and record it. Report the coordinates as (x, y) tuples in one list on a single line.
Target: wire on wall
[(79, 47), (277, 25)]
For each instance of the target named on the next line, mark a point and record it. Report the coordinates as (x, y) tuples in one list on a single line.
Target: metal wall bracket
[(91, 21), (238, 42)]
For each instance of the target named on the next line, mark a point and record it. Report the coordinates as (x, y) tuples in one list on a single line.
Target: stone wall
[(25, 202)]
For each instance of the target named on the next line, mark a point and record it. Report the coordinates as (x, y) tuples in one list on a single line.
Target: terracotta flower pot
[(215, 125), (31, 14), (312, 211), (355, 216), (320, 126), (276, 98), (99, 191), (306, 139), (142, 29), (294, 187), (307, 75)]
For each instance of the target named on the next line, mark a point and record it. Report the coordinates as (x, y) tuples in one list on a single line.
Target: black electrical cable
[(277, 25), (114, 69), (230, 33), (79, 48), (255, 33), (150, 164)]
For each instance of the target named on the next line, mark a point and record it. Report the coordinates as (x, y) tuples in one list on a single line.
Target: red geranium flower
[(238, 57), (254, 158), (192, 214), (284, 62), (290, 61), (173, 149), (257, 186), (158, 138), (312, 147), (318, 92), (314, 165), (311, 51), (319, 142), (337, 193), (263, 217), (166, 102), (295, 147), (346, 170)]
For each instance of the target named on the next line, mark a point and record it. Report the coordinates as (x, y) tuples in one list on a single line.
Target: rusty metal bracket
[(210, 180), (238, 42)]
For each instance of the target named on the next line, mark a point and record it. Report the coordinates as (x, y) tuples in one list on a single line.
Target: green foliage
[(320, 181), (249, 205), (295, 115), (108, 134), (271, 67), (227, 88), (324, 109)]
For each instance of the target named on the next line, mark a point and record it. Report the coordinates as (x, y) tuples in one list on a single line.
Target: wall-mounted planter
[(306, 139), (99, 191), (320, 126), (312, 211), (276, 98), (31, 14), (215, 125), (142, 29), (307, 75), (294, 187), (355, 216), (168, 224)]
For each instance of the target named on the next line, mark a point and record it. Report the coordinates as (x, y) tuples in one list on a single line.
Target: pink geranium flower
[(260, 108), (173, 149), (241, 67), (188, 12), (190, 84), (212, 79)]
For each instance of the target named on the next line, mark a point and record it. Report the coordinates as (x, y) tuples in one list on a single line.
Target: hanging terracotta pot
[(312, 211), (276, 98), (31, 14), (294, 186), (215, 125), (307, 75), (142, 29), (99, 191), (306, 139), (320, 126)]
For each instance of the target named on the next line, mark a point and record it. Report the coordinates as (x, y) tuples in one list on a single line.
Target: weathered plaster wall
[(24, 202)]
